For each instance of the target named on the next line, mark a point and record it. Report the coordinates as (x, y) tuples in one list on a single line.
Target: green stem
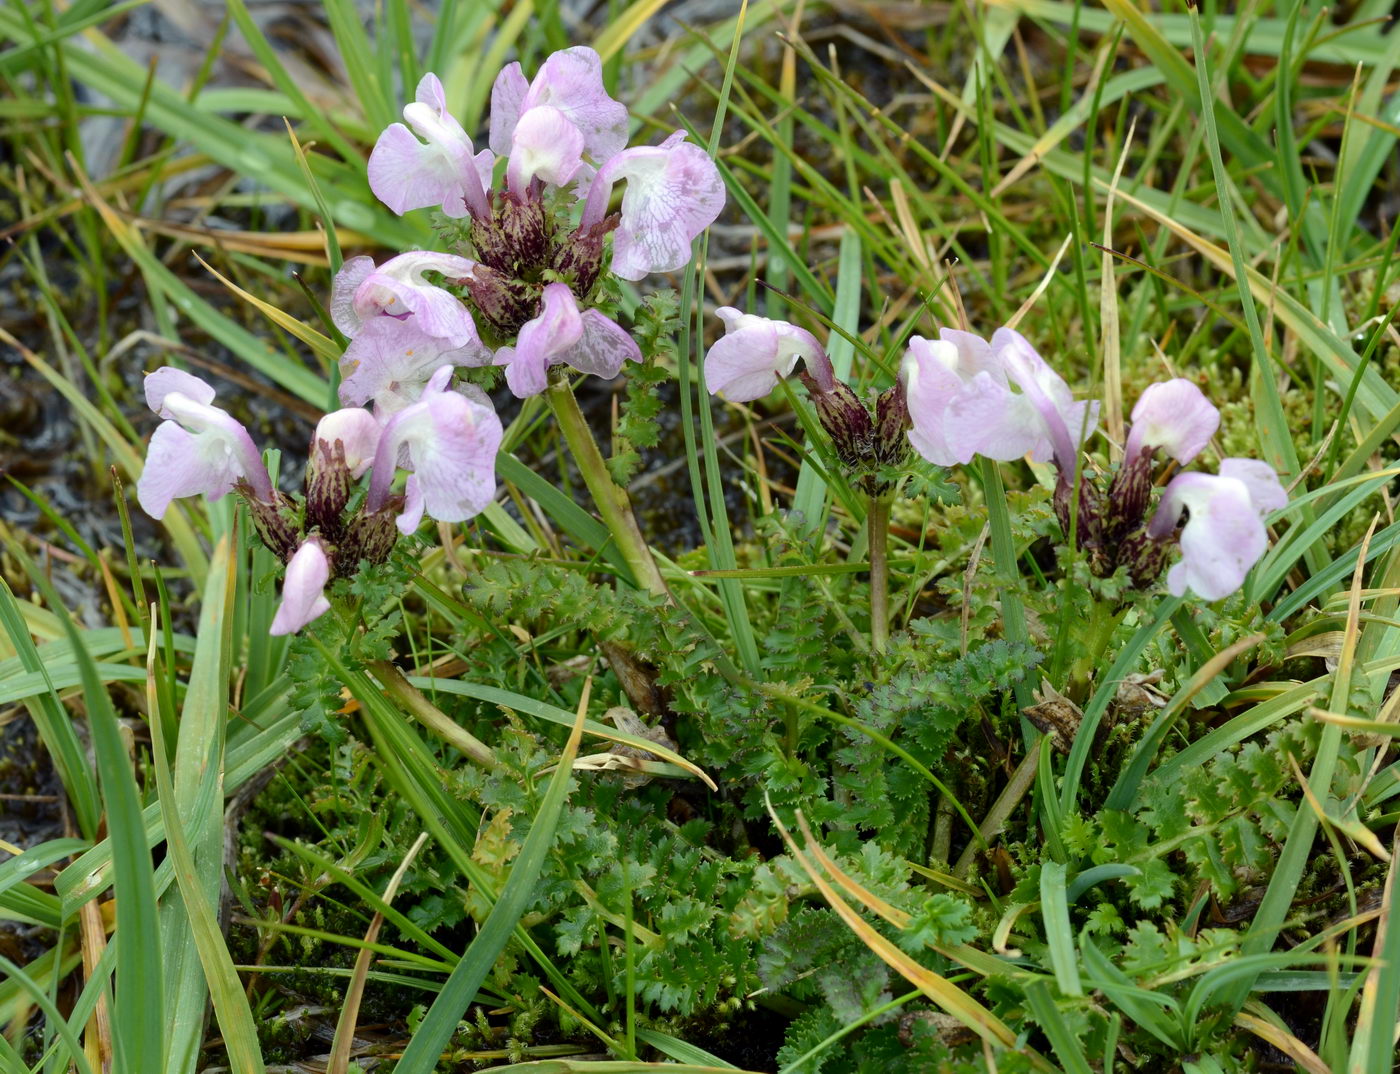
[(877, 536), (1013, 613), (611, 501), (397, 687)]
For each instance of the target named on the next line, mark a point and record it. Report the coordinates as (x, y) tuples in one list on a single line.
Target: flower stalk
[(398, 688), (611, 500), (877, 532)]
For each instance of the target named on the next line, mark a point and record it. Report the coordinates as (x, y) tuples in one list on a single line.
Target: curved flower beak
[(545, 146), (755, 353), (674, 192), (440, 171), (1173, 415), (399, 289), (198, 450), (303, 589)]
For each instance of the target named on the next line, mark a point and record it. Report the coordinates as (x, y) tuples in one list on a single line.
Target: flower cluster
[(537, 244), (964, 396), (446, 440), (519, 293)]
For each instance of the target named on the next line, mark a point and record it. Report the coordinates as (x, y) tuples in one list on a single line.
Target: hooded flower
[(448, 440), (390, 361), (569, 83), (303, 589), (1058, 424), (198, 450), (559, 334), (399, 289), (546, 146), (674, 192), (755, 353), (441, 171), (1173, 415), (1224, 535)]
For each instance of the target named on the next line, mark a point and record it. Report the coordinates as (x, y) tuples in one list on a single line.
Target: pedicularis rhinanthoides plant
[(528, 283)]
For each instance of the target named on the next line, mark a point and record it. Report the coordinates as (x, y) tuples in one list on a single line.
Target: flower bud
[(518, 235), (1128, 497), (370, 535), (846, 421), (269, 518), (891, 424), (579, 259)]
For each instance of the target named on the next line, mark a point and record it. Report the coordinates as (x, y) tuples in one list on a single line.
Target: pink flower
[(969, 397), (399, 289), (303, 589), (560, 334), (198, 450), (755, 353), (1224, 535), (442, 170), (674, 192), (1173, 415), (390, 361), (448, 440), (569, 82)]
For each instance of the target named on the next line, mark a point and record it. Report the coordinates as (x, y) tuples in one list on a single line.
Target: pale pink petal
[(1173, 415), (754, 353), (303, 589), (674, 191), (344, 287), (439, 171), (603, 348), (506, 97), (555, 329), (1266, 492), (390, 361), (450, 441), (166, 380), (400, 288), (545, 146), (572, 81)]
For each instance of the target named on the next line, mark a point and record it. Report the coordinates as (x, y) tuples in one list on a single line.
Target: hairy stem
[(877, 533), (611, 501)]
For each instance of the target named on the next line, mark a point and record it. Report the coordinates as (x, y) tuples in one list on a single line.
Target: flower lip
[(439, 170)]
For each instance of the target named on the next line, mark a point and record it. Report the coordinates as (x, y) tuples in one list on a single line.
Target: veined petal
[(400, 288), (303, 589), (345, 286), (390, 361), (450, 441), (1173, 415), (438, 171), (572, 82), (507, 95), (674, 191), (603, 348)]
